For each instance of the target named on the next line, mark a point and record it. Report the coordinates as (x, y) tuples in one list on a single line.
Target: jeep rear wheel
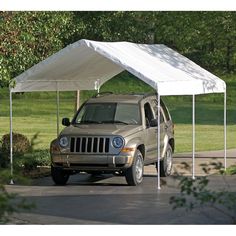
[(166, 163), (134, 175), (59, 176)]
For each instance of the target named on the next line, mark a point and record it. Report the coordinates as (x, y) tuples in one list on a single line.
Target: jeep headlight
[(64, 142), (118, 142)]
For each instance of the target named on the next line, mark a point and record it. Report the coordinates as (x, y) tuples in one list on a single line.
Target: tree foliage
[(208, 38), (197, 194), (29, 37)]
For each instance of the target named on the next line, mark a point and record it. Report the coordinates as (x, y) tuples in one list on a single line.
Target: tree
[(208, 38), (29, 37)]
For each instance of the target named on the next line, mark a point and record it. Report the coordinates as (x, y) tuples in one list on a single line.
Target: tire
[(134, 174), (59, 176), (166, 163)]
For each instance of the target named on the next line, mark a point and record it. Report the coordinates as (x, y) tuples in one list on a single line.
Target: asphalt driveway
[(108, 200)]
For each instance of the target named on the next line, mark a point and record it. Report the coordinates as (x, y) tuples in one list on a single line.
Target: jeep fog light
[(117, 142), (64, 142)]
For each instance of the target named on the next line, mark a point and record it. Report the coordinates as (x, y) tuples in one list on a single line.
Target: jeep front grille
[(89, 144)]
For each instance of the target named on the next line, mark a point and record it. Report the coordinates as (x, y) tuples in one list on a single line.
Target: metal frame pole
[(11, 138), (225, 131), (193, 141), (158, 141), (97, 85), (58, 97)]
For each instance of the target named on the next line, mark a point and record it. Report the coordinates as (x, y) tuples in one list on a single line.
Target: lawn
[(36, 113)]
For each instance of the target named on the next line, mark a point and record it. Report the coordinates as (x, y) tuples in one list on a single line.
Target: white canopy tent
[(82, 64)]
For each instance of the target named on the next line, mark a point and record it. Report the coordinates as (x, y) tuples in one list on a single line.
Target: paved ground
[(107, 199), (203, 158), (231, 153)]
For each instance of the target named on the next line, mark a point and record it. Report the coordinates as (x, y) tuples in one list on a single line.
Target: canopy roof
[(80, 64)]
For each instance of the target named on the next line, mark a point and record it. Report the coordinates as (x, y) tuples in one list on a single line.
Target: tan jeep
[(113, 134)]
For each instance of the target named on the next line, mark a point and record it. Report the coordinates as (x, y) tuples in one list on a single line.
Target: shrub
[(195, 193), (26, 156), (21, 143), (31, 161)]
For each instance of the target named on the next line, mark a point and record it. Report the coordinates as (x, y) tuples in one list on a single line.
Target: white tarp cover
[(80, 64)]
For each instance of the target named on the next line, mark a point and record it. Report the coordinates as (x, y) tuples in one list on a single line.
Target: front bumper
[(91, 162)]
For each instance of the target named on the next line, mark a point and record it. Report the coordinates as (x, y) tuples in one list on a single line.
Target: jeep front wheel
[(59, 176), (134, 175)]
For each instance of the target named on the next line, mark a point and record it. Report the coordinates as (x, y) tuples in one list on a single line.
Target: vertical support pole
[(57, 110), (97, 85), (225, 131), (158, 141), (77, 100), (11, 138), (193, 141)]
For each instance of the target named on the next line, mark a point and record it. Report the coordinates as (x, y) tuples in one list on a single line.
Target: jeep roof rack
[(144, 95), (102, 94)]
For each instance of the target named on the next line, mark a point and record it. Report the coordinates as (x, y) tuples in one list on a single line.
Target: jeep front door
[(150, 134), (163, 125)]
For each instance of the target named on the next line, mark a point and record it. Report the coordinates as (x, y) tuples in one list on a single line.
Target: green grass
[(36, 112)]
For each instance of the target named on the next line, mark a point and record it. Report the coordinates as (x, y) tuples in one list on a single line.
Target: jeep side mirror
[(65, 121), (153, 123)]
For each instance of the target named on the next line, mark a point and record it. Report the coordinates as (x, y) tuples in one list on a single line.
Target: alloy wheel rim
[(139, 168), (168, 161)]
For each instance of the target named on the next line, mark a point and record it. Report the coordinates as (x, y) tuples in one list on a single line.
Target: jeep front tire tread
[(59, 176), (134, 174)]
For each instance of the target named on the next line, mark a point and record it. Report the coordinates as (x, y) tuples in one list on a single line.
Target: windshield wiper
[(114, 122)]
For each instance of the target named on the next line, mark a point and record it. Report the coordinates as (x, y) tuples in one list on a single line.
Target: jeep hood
[(103, 129)]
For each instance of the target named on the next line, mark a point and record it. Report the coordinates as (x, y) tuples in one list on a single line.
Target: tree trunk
[(77, 100)]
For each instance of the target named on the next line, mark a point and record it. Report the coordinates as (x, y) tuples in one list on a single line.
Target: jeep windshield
[(109, 113)]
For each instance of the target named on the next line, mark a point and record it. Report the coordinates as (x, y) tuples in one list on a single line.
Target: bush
[(21, 143), (195, 193), (31, 161), (4, 160), (24, 154)]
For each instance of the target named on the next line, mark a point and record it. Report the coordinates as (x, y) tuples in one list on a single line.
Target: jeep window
[(164, 112), (109, 113), (148, 113), (167, 115)]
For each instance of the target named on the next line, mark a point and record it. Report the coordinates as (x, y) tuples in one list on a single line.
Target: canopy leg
[(58, 112), (193, 141), (225, 132), (11, 139), (158, 142)]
